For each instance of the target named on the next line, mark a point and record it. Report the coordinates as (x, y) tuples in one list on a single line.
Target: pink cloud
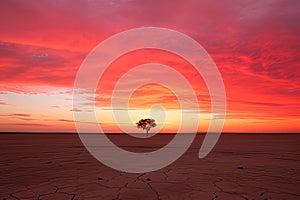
[(28, 64)]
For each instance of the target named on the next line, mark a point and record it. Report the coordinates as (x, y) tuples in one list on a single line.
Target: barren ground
[(36, 166)]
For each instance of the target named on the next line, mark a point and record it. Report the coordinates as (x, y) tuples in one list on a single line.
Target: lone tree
[(146, 124)]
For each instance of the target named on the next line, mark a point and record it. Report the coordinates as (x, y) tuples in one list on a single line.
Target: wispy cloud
[(19, 115), (66, 120), (76, 110)]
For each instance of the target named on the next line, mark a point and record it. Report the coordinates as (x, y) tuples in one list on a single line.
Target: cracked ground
[(35, 166)]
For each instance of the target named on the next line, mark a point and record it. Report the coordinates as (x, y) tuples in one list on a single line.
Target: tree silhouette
[(146, 124)]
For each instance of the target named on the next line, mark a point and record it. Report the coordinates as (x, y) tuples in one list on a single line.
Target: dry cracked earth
[(54, 167)]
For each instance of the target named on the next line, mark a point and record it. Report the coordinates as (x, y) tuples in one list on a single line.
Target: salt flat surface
[(240, 167)]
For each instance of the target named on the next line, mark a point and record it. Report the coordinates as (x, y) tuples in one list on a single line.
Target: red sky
[(255, 45)]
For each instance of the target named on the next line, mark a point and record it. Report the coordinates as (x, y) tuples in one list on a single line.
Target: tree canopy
[(146, 124)]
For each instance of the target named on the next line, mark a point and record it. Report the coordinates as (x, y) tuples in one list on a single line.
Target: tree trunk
[(147, 132)]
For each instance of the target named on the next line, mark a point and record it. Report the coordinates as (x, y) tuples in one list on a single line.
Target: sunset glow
[(254, 45)]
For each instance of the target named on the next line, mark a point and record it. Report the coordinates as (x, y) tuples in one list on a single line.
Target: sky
[(255, 46)]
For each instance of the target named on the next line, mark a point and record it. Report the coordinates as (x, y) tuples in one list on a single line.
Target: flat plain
[(241, 166)]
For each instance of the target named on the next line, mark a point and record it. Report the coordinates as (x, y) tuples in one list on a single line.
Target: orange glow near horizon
[(254, 45)]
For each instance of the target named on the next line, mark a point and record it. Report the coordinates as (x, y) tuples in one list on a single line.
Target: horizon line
[(166, 133)]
